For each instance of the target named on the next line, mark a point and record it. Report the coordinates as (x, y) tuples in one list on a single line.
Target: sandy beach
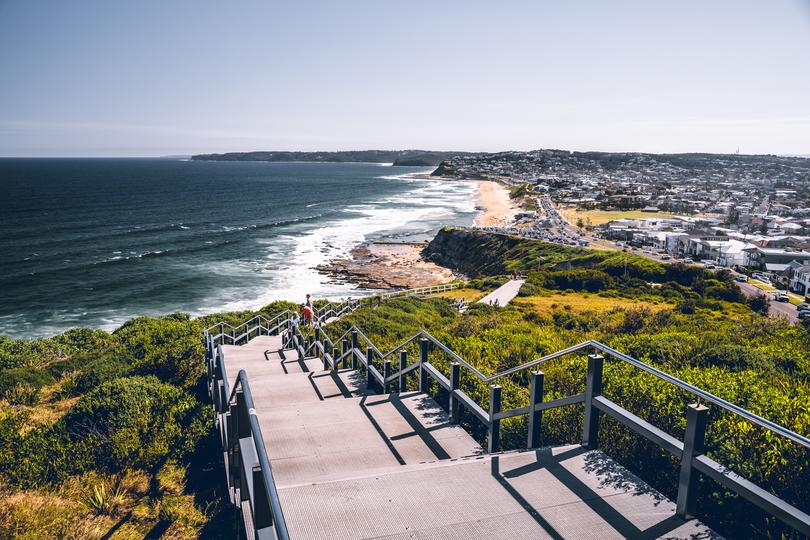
[(498, 209), (388, 265)]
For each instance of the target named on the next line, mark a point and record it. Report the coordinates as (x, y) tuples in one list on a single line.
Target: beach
[(497, 208), (385, 265)]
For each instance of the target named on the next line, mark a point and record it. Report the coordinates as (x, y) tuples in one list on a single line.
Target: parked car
[(781, 297)]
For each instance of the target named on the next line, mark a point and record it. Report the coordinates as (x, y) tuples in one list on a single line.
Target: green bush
[(15, 379), (170, 348), (134, 422)]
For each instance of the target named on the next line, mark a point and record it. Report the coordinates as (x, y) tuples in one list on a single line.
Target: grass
[(143, 506), (598, 217), (761, 286), (582, 302), (468, 294)]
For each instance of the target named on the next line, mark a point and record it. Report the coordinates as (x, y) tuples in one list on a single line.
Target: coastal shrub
[(170, 348), (97, 371), (134, 422), (23, 379)]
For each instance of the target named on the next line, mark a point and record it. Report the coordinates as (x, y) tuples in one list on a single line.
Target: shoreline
[(390, 265)]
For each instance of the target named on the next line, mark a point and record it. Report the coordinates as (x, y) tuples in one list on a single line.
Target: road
[(777, 309)]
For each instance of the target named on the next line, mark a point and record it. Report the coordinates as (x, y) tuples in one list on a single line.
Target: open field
[(598, 217), (581, 302)]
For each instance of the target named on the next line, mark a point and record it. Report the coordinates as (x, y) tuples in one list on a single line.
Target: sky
[(152, 78)]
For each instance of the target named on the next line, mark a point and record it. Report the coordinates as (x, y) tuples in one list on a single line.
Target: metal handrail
[(692, 389), (245, 409)]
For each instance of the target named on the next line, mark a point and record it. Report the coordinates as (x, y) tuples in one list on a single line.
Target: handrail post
[(593, 388), (369, 364), (232, 439), (262, 514), (345, 350), (424, 380), (452, 402), (335, 356), (386, 374), (327, 348), (243, 424), (355, 346), (317, 339), (535, 417), (693, 443), (494, 428), (403, 377)]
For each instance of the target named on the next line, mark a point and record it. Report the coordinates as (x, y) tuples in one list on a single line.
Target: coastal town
[(749, 214)]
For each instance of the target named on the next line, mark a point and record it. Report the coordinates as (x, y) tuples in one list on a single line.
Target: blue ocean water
[(93, 242)]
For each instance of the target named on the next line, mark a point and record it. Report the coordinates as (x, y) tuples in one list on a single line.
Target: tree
[(760, 304), (580, 223)]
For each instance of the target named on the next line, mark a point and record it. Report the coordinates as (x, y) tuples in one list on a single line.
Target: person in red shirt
[(307, 314)]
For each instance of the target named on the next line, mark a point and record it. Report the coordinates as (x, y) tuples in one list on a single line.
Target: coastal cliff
[(471, 252)]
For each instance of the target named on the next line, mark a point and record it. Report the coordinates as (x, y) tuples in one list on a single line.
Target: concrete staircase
[(351, 464)]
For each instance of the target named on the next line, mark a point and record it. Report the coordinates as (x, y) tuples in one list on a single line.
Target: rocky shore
[(391, 265)]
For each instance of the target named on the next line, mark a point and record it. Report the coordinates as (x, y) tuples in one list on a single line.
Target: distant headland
[(409, 158)]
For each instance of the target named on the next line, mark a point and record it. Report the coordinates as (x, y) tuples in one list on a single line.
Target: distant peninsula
[(408, 158)]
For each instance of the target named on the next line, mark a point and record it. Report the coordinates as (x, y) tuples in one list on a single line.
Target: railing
[(380, 373), (261, 326), (422, 291), (250, 478)]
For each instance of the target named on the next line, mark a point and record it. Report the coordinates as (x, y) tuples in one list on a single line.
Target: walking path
[(351, 464), (503, 294)]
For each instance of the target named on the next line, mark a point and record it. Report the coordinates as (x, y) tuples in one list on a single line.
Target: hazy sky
[(115, 77)]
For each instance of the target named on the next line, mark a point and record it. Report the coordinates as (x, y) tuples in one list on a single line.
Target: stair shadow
[(610, 474), (431, 411)]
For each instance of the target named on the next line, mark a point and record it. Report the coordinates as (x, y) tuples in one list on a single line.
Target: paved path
[(503, 294), (351, 464)]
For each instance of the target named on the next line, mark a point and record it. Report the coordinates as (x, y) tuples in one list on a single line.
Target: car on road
[(741, 279), (803, 314), (709, 266), (803, 307), (781, 297), (688, 260), (665, 257)]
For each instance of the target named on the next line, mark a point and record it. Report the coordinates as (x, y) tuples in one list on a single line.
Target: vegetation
[(109, 434), (688, 322)]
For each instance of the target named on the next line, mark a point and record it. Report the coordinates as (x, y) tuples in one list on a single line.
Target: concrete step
[(564, 492), (339, 439)]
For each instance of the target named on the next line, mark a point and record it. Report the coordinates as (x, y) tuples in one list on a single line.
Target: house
[(800, 279), (773, 259)]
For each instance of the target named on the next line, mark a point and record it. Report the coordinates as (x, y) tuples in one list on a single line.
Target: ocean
[(94, 242)]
